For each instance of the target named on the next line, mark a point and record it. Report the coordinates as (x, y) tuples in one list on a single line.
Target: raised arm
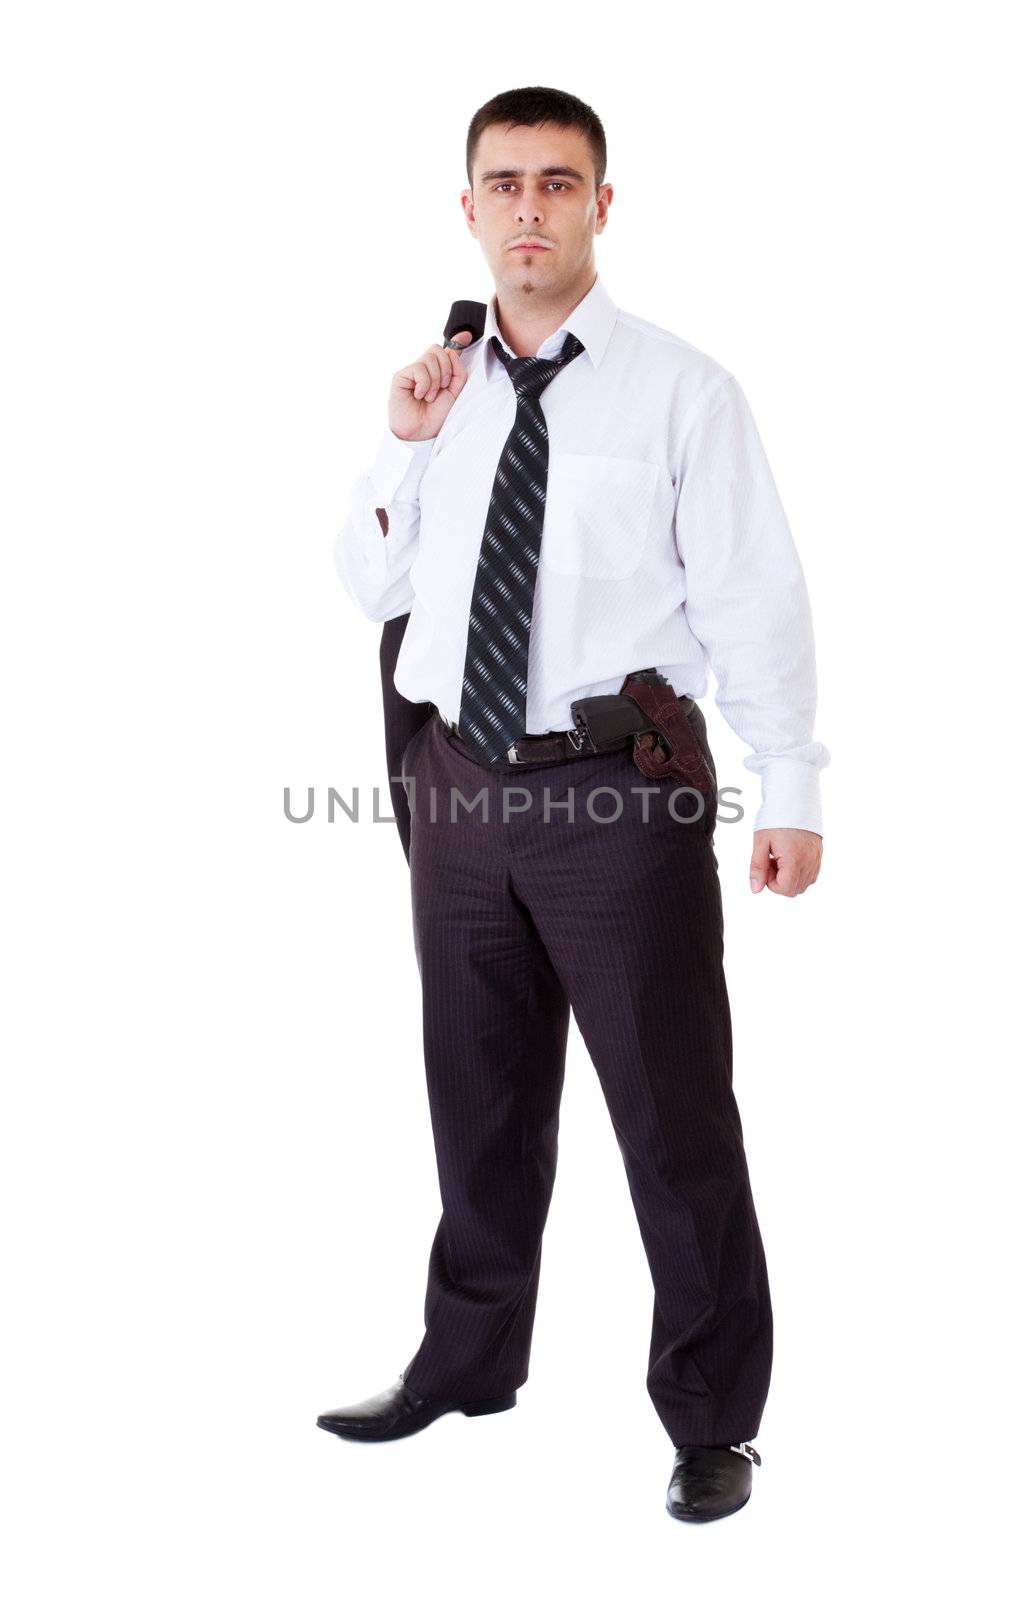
[(376, 546)]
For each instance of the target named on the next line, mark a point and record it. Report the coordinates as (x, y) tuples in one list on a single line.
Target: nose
[(529, 210)]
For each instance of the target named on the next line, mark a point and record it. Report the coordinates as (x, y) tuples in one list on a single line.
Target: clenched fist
[(423, 393), (785, 860)]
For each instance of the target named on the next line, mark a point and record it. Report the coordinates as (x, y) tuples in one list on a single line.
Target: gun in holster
[(647, 706)]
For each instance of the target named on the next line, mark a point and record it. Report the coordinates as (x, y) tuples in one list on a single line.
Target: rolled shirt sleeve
[(374, 564), (746, 602)]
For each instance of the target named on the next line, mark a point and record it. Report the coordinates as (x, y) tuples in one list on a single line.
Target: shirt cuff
[(399, 465), (370, 550), (791, 795)]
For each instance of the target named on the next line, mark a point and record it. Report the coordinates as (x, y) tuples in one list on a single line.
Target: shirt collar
[(591, 322)]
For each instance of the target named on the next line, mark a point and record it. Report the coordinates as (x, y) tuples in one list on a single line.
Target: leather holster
[(680, 755)]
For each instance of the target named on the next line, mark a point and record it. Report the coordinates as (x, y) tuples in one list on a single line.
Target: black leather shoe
[(398, 1411), (710, 1480)]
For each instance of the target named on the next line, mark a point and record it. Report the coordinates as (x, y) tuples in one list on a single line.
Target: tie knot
[(530, 375)]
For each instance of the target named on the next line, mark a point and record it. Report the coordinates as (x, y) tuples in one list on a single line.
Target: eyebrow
[(545, 172)]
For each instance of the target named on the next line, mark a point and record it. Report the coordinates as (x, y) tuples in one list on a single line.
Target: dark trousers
[(620, 918)]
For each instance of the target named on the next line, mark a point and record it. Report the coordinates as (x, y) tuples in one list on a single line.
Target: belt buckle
[(576, 736)]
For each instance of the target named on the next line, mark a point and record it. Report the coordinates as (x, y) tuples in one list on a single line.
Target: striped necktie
[(494, 697)]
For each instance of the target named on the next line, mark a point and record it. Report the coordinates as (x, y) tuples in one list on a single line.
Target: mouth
[(531, 247)]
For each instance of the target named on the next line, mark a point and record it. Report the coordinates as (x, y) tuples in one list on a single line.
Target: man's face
[(535, 187)]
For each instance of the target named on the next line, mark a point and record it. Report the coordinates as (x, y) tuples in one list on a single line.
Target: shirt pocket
[(597, 514)]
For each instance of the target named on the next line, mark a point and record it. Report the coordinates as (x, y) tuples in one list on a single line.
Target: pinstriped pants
[(519, 914)]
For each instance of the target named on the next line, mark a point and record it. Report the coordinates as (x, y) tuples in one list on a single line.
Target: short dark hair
[(528, 108)]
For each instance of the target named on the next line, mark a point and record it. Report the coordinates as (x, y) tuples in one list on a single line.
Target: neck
[(525, 317)]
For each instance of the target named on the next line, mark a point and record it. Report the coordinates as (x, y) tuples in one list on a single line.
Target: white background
[(227, 225)]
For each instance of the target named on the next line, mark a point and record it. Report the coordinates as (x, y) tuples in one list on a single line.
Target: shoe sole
[(470, 1408)]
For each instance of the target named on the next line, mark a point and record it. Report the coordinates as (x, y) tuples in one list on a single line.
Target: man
[(575, 498)]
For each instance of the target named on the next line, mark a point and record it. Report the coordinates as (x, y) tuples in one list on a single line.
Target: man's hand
[(421, 396), (796, 863)]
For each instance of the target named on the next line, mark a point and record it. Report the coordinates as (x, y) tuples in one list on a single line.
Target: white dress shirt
[(664, 544)]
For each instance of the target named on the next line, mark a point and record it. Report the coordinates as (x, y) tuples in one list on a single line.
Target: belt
[(591, 736), (532, 748)]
